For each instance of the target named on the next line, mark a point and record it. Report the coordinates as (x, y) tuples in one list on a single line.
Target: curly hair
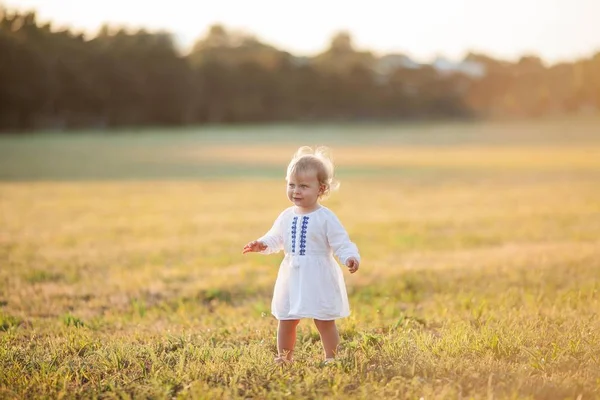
[(318, 160)]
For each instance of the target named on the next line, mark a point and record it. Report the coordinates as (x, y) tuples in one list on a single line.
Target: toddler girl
[(310, 283)]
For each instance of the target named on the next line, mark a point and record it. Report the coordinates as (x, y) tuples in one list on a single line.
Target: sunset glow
[(554, 29)]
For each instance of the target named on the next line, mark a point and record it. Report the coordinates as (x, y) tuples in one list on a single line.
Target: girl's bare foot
[(282, 361)]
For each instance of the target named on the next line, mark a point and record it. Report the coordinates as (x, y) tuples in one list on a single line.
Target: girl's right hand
[(254, 246)]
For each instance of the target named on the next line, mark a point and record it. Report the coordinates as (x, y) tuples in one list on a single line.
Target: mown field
[(121, 273)]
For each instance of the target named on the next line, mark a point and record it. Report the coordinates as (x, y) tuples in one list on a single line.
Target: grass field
[(121, 274)]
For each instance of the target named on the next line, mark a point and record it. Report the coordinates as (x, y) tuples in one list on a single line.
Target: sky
[(556, 30)]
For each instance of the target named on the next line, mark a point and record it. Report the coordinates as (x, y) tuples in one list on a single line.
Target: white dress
[(310, 283)]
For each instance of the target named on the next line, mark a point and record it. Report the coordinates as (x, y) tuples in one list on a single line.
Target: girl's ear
[(322, 188)]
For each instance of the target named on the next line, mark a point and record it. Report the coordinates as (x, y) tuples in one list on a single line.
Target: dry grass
[(477, 282), (548, 158)]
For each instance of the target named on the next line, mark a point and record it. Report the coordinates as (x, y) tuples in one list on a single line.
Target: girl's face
[(304, 190)]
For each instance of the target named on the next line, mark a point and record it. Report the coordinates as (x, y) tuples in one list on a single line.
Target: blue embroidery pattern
[(303, 235), (294, 223)]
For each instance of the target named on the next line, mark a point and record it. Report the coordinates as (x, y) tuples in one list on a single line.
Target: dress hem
[(310, 316)]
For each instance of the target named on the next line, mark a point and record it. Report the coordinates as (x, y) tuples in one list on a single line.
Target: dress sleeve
[(339, 240), (274, 237)]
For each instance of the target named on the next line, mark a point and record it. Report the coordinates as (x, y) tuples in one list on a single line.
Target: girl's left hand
[(352, 264)]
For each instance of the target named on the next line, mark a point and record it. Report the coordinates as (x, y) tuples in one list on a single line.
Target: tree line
[(58, 79)]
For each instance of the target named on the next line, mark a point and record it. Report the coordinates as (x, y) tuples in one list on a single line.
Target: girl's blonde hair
[(318, 160)]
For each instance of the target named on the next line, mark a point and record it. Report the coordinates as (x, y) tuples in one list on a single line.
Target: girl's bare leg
[(329, 337), (286, 339)]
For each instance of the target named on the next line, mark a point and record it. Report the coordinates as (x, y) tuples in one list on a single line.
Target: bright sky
[(423, 29)]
